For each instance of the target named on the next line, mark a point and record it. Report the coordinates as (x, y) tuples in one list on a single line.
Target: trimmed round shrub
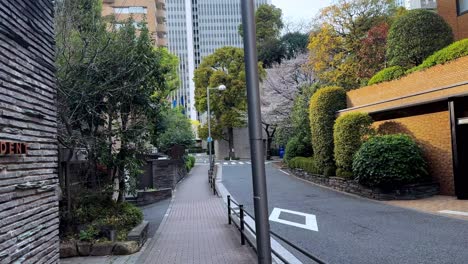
[(389, 161), (306, 164), (452, 52), (415, 36), (322, 113), (349, 133), (296, 147), (387, 74)]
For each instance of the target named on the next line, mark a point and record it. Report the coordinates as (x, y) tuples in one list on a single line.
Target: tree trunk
[(232, 154), (269, 142)]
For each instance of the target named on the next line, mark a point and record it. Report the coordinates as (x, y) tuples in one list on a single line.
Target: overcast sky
[(298, 10)]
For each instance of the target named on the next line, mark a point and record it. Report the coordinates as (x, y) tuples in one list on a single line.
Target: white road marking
[(217, 163), (225, 163), (241, 163), (233, 163), (310, 219), (454, 212), (284, 172), (248, 162)]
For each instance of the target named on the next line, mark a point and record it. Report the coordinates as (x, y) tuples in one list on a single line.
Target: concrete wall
[(28, 182), (431, 127), (459, 23)]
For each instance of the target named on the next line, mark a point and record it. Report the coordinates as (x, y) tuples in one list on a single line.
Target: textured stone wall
[(28, 182)]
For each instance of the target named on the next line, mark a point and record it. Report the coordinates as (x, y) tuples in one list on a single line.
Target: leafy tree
[(294, 43), (107, 80), (225, 66), (176, 130), (371, 55), (334, 47), (415, 36)]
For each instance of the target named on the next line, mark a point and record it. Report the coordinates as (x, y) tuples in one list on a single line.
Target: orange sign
[(13, 148)]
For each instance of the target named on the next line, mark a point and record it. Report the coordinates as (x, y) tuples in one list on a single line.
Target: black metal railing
[(242, 225), (212, 171)]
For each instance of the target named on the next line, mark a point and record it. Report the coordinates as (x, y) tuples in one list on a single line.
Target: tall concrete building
[(153, 12), (196, 29)]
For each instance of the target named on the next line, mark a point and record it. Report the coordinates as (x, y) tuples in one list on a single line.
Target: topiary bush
[(322, 113), (454, 51), (349, 133), (307, 164), (389, 161), (416, 35), (387, 74), (296, 147)]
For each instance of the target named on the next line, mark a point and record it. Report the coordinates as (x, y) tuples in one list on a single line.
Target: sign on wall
[(13, 148)]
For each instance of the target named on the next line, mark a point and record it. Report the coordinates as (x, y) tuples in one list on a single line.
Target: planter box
[(150, 197), (407, 192)]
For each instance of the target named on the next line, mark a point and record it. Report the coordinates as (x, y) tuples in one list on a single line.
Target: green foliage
[(416, 35), (294, 43), (88, 234), (350, 131), (176, 130), (307, 164), (297, 147), (189, 162), (389, 161), (454, 51), (387, 74), (322, 113)]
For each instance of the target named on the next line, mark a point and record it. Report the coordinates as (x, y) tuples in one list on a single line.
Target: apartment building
[(196, 28), (455, 12), (153, 12), (418, 4)]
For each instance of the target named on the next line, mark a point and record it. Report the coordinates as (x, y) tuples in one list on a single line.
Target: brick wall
[(28, 215), (448, 10), (431, 128)]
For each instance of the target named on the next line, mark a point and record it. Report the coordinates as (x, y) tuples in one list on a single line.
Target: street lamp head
[(222, 87)]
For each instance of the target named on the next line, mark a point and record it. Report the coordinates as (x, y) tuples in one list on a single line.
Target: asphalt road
[(353, 229)]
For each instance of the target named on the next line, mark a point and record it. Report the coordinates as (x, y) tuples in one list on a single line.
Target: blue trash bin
[(281, 152)]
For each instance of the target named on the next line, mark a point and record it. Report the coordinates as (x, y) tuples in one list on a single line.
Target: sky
[(300, 10)]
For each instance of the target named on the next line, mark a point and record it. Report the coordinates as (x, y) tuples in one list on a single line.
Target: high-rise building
[(418, 4), (196, 29), (153, 12)]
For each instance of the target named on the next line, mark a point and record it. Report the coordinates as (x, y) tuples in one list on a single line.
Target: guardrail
[(212, 171), (242, 225)]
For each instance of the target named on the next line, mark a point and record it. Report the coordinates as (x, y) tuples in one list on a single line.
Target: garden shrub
[(189, 162), (416, 35), (349, 133), (322, 113), (454, 51), (389, 161), (387, 74), (297, 147), (307, 164)]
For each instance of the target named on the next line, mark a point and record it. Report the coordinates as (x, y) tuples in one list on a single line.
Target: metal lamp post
[(222, 87), (262, 224)]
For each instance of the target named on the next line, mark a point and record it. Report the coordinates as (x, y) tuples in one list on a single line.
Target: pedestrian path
[(195, 229)]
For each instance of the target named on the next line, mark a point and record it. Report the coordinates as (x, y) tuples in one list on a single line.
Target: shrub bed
[(306, 164), (296, 148), (387, 74), (323, 106), (189, 162), (350, 131), (389, 161)]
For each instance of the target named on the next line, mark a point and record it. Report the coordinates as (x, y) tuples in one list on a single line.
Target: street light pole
[(262, 224)]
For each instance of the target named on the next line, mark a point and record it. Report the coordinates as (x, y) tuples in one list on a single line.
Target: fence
[(238, 218)]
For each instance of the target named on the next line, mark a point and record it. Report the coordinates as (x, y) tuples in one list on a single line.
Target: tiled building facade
[(455, 12)]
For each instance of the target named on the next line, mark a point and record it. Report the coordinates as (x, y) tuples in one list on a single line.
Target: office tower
[(153, 12), (418, 4), (196, 28)]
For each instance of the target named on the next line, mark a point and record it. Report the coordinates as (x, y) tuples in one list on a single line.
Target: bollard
[(229, 209), (241, 208)]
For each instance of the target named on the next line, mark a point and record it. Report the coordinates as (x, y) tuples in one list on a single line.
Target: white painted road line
[(248, 162), (225, 163), (233, 163), (241, 163), (284, 172), (454, 212), (310, 219)]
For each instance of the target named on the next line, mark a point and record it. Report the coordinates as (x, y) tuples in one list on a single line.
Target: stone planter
[(150, 197), (407, 192)]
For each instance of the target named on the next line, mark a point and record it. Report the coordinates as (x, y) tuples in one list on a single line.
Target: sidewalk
[(195, 229)]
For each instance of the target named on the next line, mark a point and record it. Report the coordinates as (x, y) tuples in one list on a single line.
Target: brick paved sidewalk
[(196, 229), (438, 204)]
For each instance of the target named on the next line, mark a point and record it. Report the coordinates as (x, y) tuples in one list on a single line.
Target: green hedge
[(387, 74), (454, 51), (307, 164), (322, 113), (349, 133), (389, 161), (296, 147), (415, 36), (189, 162)]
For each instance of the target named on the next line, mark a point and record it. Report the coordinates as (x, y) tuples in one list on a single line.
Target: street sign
[(209, 139)]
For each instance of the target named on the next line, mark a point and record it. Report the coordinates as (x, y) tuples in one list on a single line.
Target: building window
[(462, 7), (130, 10)]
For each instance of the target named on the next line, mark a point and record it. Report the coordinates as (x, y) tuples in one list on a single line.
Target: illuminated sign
[(13, 148)]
